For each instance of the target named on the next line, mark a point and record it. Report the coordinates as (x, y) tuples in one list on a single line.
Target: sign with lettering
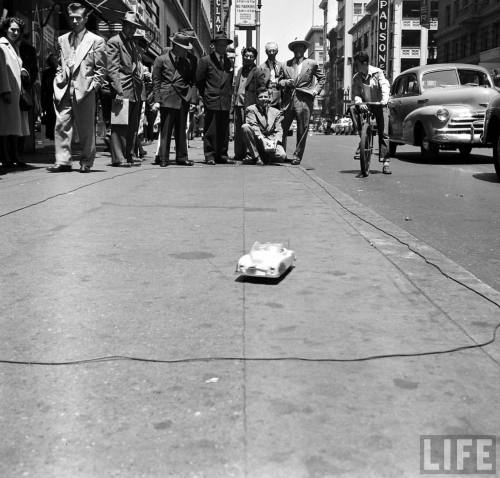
[(216, 16), (245, 13), (425, 13), (383, 34)]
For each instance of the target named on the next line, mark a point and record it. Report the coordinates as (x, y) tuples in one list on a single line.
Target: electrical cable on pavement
[(115, 358)]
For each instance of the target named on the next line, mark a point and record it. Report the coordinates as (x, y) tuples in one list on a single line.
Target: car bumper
[(470, 134)]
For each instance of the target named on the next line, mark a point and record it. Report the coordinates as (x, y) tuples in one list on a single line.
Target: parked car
[(440, 106), (491, 135)]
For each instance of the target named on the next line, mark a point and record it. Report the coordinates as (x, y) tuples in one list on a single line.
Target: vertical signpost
[(216, 16), (246, 17), (383, 35)]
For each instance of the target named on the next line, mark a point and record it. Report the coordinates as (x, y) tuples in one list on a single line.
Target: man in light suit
[(299, 90), (80, 74), (125, 76), (214, 78), (245, 92), (262, 131), (172, 80), (268, 74)]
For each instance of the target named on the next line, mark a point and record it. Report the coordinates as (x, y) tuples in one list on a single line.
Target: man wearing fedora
[(301, 81), (125, 76), (172, 80), (214, 78), (81, 71)]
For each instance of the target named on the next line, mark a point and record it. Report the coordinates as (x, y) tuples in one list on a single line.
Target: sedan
[(439, 107)]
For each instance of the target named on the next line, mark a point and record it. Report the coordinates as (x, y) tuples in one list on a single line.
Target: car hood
[(474, 96)]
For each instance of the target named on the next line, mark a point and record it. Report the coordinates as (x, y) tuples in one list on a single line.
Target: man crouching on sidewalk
[(262, 131)]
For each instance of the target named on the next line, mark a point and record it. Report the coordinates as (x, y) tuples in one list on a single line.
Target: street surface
[(451, 204), (130, 348)]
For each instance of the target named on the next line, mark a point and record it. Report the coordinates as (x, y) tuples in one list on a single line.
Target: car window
[(413, 85), (395, 86), (473, 77), (442, 78), (401, 87)]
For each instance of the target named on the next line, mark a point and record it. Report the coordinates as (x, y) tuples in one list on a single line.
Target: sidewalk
[(140, 262)]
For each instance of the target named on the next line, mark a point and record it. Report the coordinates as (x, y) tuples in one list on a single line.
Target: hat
[(188, 32), (140, 38), (362, 57), (133, 19), (296, 42), (182, 40), (221, 36)]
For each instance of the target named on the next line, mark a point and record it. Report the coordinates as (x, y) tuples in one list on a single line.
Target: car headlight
[(443, 115)]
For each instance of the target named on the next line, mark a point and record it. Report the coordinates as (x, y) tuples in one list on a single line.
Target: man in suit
[(79, 76), (172, 80), (262, 131), (214, 78), (268, 74), (125, 76), (299, 90), (245, 89)]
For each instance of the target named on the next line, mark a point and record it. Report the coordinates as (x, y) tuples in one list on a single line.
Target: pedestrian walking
[(13, 121), (269, 72), (214, 78), (172, 80), (125, 75), (262, 131), (80, 74), (302, 80), (245, 91)]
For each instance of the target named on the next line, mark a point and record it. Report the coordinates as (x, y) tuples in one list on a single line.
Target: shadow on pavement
[(489, 177), (444, 157), (263, 280)]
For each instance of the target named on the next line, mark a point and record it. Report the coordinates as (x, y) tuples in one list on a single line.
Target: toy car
[(266, 260)]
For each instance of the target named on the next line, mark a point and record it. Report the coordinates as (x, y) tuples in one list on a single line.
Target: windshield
[(452, 77)]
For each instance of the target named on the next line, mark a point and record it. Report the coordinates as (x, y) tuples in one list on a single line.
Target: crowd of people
[(180, 93)]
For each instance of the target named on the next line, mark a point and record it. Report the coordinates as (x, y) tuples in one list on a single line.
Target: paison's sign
[(383, 34)]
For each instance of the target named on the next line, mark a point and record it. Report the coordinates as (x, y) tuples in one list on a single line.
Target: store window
[(411, 9)]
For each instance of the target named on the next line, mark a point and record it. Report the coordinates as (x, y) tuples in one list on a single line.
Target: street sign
[(383, 34), (245, 13), (217, 16)]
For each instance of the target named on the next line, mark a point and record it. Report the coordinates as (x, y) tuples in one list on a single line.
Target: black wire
[(116, 358)]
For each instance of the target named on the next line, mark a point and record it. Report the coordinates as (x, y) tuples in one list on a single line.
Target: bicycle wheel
[(366, 148)]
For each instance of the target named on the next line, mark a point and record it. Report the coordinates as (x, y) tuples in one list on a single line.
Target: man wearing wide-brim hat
[(125, 75), (214, 78), (301, 81), (172, 81)]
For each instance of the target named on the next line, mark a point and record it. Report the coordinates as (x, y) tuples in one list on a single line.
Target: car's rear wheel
[(428, 149), (496, 155), (465, 150)]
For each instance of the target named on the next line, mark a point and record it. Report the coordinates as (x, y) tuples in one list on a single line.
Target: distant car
[(491, 135), (266, 260), (439, 106)]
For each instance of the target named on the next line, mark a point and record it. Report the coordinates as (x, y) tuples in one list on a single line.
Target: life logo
[(458, 454)]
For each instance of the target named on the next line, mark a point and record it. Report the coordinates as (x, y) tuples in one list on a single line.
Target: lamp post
[(257, 28)]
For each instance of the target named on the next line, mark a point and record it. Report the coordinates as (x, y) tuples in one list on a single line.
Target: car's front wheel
[(429, 150), (496, 155)]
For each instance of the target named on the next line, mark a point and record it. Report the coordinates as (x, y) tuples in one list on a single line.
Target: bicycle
[(368, 131)]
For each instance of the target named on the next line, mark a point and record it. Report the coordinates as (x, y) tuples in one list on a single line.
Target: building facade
[(469, 32)]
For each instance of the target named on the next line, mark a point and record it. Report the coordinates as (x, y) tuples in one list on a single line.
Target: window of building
[(473, 43), (411, 9), (463, 47), (455, 9), (358, 9), (434, 10), (448, 15), (410, 38), (496, 35), (446, 52), (365, 41), (484, 39)]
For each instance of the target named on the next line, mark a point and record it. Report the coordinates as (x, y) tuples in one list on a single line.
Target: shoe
[(185, 162), (85, 169), (163, 163), (248, 160), (295, 161), (21, 164), (157, 160), (226, 160), (60, 168), (121, 165), (210, 161), (386, 169), (259, 162), (356, 154)]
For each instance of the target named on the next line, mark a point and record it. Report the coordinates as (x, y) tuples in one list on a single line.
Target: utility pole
[(257, 29)]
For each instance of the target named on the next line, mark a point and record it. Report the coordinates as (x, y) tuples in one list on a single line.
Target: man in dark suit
[(214, 78), (299, 90), (245, 91), (172, 79), (125, 76), (269, 73)]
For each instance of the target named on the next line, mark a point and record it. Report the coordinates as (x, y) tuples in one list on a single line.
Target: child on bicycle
[(369, 84)]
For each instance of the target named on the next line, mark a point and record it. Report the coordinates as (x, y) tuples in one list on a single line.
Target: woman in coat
[(13, 122)]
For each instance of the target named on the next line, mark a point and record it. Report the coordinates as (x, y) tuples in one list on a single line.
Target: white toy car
[(266, 260)]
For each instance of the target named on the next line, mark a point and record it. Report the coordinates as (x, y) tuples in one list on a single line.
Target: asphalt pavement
[(132, 349)]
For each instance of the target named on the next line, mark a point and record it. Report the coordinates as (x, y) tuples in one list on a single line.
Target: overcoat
[(250, 86), (215, 82), (13, 121)]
